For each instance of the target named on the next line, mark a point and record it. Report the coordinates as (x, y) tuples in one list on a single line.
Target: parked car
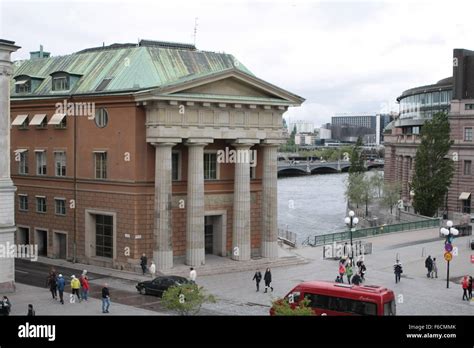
[(159, 285)]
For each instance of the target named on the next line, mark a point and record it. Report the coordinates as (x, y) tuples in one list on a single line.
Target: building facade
[(155, 148), (348, 127), (454, 95)]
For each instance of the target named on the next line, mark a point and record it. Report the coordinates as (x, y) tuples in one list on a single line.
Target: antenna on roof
[(195, 29)]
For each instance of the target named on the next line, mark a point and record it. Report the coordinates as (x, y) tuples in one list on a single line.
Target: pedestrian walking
[(469, 287), (81, 280), (105, 298), (257, 277), (356, 279), (31, 311), (362, 270), (6, 306), (465, 287), (192, 275), (75, 286), (434, 270), (268, 279), (61, 283), (143, 263), (51, 283), (85, 287), (152, 269), (342, 271), (349, 272), (429, 265), (398, 270)]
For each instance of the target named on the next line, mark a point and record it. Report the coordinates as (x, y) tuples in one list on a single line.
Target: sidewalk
[(45, 305)]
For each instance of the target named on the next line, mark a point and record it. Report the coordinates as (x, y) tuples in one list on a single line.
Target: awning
[(37, 120), (19, 120), (56, 119), (465, 195), (21, 82)]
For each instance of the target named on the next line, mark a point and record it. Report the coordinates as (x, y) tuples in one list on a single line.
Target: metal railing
[(287, 237), (372, 231)]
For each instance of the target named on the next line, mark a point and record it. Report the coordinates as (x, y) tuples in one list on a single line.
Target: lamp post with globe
[(351, 221), (450, 233)]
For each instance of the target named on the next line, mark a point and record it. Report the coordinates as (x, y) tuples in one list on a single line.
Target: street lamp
[(449, 232), (351, 221)]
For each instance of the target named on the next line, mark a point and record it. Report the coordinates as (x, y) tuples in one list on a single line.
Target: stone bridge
[(317, 167)]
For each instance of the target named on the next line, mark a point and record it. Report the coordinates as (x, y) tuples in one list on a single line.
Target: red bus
[(328, 298)]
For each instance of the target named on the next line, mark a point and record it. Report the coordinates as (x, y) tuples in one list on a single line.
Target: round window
[(101, 117)]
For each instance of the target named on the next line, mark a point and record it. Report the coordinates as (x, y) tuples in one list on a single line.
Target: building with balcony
[(454, 95), (118, 151)]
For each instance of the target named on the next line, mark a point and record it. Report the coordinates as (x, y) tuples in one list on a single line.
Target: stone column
[(195, 253), (269, 202), (162, 230), (7, 190), (241, 244)]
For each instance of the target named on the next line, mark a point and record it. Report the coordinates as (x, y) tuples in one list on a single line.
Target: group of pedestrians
[(431, 267), (267, 278), (79, 287), (144, 266), (467, 288), (6, 307), (346, 268)]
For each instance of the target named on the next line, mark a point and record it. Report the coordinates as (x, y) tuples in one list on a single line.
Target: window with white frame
[(40, 204), (100, 160), (23, 202), (60, 206), (60, 163), (210, 166), (40, 162)]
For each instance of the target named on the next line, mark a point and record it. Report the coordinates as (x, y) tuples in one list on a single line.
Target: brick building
[(454, 95), (117, 152)]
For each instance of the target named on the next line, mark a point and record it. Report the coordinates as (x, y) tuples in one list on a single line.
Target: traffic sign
[(448, 247), (448, 256)]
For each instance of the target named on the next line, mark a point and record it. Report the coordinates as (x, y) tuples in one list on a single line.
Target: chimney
[(39, 54)]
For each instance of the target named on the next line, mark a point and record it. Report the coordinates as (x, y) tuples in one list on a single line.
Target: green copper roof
[(130, 68)]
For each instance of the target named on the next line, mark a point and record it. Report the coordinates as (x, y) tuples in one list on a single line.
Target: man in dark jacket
[(53, 287), (143, 263), (105, 299), (257, 277), (429, 265), (397, 269), (268, 279), (61, 284), (356, 279)]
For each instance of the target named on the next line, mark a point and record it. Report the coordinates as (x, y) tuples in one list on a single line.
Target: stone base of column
[(163, 259), (242, 253), (270, 250), (7, 287), (195, 257)]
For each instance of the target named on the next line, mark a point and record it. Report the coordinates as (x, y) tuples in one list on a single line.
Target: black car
[(159, 285)]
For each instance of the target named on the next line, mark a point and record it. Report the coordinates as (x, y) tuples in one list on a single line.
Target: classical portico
[(229, 106)]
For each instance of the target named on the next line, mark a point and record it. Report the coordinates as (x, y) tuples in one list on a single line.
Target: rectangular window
[(23, 202), (40, 204), (468, 134), (104, 241), (467, 167), (23, 86), (253, 172), (175, 165), (466, 205), (60, 163), (40, 162), (469, 106), (210, 166), (60, 206), (60, 83), (416, 130), (100, 165), (23, 161), (435, 97)]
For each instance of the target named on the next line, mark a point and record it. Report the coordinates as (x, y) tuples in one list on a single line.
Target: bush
[(186, 299)]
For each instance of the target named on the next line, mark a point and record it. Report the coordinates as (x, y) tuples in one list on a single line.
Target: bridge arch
[(291, 171), (324, 170)]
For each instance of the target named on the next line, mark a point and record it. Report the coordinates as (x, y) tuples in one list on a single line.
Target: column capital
[(159, 141), (244, 141), (272, 142), (167, 144), (198, 141)]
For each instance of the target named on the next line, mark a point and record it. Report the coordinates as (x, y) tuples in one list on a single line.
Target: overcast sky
[(340, 56)]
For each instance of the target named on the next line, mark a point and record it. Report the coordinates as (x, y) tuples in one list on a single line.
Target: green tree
[(186, 299), (433, 170), (282, 307), (377, 183), (391, 194), (355, 188), (357, 161), (367, 192)]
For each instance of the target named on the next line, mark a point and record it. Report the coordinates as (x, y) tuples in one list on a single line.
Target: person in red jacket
[(85, 287), (465, 286)]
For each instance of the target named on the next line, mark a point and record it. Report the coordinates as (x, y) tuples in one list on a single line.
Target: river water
[(312, 204)]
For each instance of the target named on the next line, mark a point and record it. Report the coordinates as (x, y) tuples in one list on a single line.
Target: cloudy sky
[(342, 56)]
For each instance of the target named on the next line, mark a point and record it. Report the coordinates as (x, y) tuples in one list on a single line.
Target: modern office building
[(455, 95), (348, 127), (124, 149)]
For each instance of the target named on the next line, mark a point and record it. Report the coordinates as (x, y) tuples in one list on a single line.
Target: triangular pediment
[(231, 84)]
